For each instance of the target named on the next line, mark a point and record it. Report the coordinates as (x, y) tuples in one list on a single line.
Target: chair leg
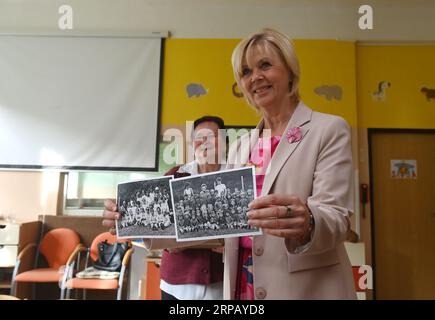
[(14, 275), (119, 293), (120, 282), (62, 293), (13, 288)]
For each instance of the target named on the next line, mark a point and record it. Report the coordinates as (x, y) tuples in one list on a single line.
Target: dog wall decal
[(429, 93), (381, 94)]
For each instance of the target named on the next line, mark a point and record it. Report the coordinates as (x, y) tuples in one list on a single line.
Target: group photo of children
[(213, 205), (145, 208)]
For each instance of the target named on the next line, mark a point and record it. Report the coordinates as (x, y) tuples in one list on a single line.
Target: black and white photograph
[(214, 205), (146, 209)]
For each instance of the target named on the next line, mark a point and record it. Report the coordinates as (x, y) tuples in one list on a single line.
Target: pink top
[(260, 158)]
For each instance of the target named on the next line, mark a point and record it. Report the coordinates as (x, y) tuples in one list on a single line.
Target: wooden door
[(403, 215)]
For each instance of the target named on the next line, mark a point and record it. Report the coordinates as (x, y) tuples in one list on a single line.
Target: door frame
[(370, 133)]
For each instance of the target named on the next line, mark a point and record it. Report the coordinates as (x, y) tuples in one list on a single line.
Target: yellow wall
[(408, 69), (328, 62), (208, 61)]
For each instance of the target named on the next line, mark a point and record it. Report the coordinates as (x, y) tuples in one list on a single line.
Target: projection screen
[(79, 103)]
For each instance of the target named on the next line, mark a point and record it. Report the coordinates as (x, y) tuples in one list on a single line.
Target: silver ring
[(289, 212)]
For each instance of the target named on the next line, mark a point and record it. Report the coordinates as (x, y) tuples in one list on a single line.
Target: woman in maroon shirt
[(188, 273)]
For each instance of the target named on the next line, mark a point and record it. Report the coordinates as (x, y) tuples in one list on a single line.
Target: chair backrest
[(101, 238), (57, 245)]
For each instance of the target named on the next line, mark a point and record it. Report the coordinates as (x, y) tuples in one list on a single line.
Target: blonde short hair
[(268, 39)]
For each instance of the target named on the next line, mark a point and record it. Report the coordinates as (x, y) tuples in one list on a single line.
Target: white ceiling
[(394, 20)]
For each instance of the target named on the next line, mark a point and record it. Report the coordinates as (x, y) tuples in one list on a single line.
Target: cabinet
[(144, 273), (13, 238), (151, 281), (9, 236)]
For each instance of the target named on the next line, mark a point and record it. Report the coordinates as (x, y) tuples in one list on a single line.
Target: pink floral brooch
[(294, 134)]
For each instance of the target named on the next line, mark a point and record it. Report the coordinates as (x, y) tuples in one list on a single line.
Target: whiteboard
[(79, 103)]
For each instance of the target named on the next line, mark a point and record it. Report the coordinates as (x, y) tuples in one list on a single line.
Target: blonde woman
[(304, 187)]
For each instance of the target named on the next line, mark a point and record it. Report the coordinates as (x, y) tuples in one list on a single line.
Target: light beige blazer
[(317, 169)]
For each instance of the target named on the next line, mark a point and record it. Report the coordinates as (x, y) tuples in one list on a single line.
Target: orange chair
[(99, 284), (57, 247)]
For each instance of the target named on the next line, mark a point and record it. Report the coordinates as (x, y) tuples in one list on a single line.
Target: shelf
[(5, 277)]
